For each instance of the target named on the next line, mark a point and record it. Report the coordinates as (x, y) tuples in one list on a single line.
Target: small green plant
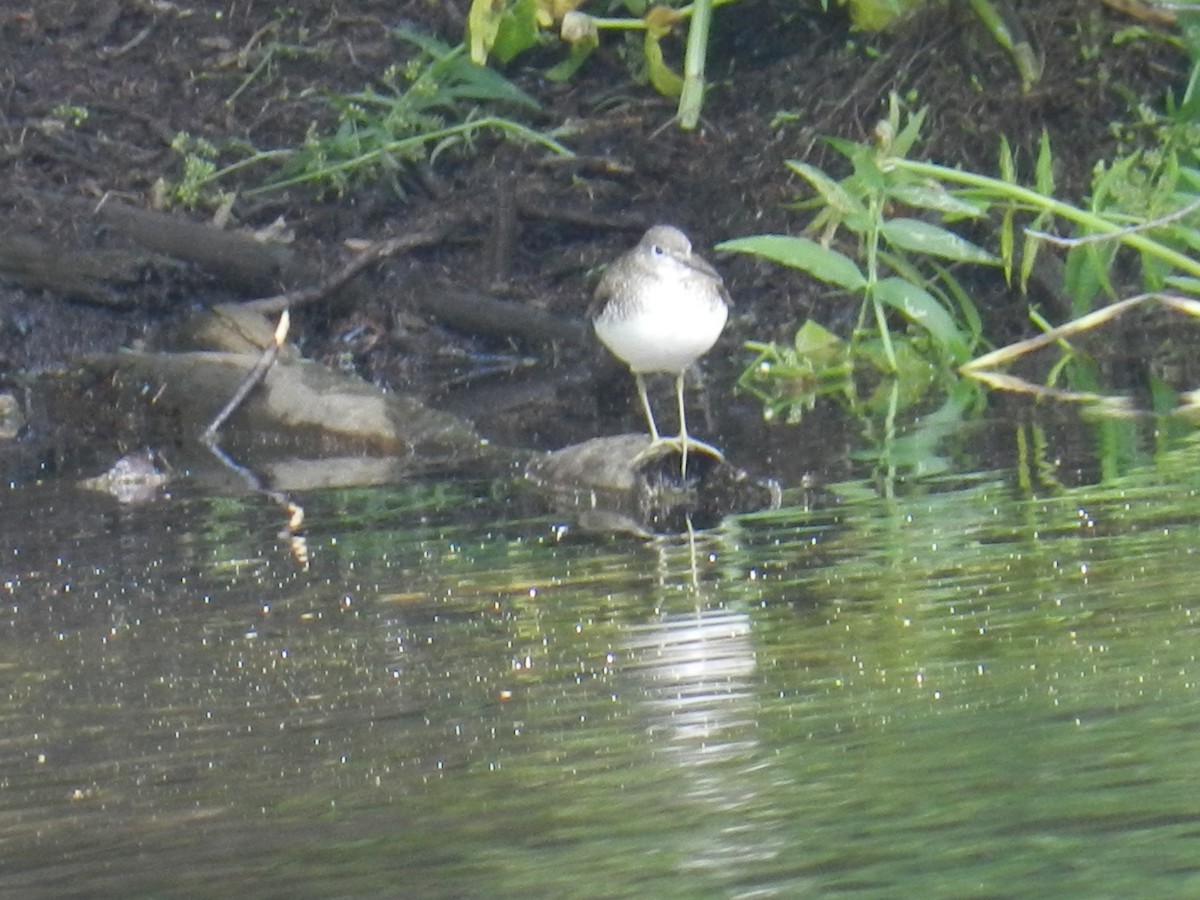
[(427, 107), (905, 259), (1154, 214), (70, 114), (199, 166), (268, 60), (901, 253), (419, 116), (1152, 187), (788, 379)]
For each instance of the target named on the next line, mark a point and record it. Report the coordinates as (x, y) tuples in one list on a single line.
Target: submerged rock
[(134, 478), (302, 410), (12, 417), (614, 484)]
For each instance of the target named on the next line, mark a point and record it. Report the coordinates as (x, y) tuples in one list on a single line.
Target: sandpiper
[(659, 308)]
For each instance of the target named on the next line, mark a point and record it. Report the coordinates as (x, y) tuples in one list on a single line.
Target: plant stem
[(1088, 220), (400, 146), (623, 24), (692, 97), (875, 217)]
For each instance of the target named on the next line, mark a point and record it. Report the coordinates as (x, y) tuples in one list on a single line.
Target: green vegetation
[(905, 273), (504, 30), (442, 98), (899, 235), (1143, 219), (430, 105), (70, 114)]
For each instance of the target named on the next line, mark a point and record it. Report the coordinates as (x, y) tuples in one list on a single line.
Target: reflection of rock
[(334, 472), (608, 485)]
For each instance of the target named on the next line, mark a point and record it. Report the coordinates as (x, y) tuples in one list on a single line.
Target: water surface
[(982, 683)]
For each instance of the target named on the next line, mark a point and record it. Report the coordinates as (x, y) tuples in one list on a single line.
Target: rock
[(134, 478), (611, 484)]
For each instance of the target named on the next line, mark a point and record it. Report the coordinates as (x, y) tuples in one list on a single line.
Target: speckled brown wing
[(600, 296)]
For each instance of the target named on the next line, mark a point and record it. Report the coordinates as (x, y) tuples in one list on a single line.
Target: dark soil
[(529, 230)]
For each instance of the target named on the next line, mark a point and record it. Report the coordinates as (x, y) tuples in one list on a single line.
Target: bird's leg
[(641, 386), (684, 440), (657, 441), (683, 437)]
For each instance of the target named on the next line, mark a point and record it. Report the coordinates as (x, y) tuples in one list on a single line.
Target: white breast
[(665, 328)]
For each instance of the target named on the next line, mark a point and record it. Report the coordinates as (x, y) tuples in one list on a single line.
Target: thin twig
[(1114, 235), (293, 529), (253, 378)]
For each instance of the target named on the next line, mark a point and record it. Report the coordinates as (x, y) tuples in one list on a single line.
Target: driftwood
[(476, 313), (108, 276), (96, 276), (237, 257), (273, 272)]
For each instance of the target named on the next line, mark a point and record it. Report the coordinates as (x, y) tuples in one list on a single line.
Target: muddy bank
[(95, 99)]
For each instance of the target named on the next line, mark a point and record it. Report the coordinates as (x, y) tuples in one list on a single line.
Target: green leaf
[(922, 308), (665, 80), (1008, 168), (1110, 182), (876, 15), (867, 171), (1086, 274), (801, 253), (966, 306), (1190, 178), (814, 339), (483, 22), (916, 236), (844, 146), (1045, 167), (832, 192), (659, 22), (518, 31), (1030, 248), (907, 138), (456, 78), (1007, 243), (936, 198), (1183, 283), (1184, 236)]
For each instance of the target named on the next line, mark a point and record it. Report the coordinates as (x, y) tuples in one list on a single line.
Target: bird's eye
[(656, 249)]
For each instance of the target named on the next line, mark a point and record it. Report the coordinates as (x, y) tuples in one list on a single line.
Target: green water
[(979, 686)]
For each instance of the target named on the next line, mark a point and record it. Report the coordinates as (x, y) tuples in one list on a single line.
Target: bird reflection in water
[(697, 676)]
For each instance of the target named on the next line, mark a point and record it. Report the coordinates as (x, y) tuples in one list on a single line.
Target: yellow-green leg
[(683, 435), (680, 443), (641, 386), (686, 440)]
